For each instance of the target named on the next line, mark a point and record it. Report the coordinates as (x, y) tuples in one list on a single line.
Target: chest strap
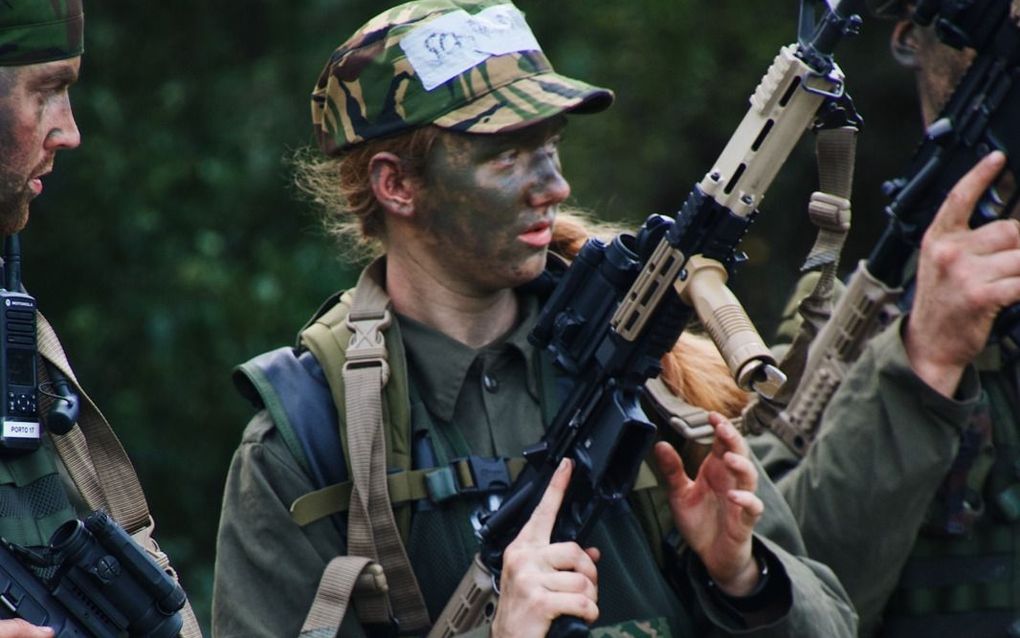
[(462, 477)]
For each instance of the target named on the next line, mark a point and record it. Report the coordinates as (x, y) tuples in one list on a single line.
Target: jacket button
[(490, 383)]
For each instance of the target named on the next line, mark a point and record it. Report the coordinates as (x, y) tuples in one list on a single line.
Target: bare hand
[(542, 581), (18, 628), (717, 511), (964, 278)]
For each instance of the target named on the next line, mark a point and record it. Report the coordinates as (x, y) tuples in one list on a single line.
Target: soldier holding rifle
[(445, 155)]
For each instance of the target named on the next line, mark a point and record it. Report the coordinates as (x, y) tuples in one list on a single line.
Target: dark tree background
[(171, 246)]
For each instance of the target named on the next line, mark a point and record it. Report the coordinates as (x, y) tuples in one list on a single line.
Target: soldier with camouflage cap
[(930, 414), (439, 122), (41, 44)]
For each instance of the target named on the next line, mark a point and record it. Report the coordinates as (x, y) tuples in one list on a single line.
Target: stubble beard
[(14, 192), (14, 200)]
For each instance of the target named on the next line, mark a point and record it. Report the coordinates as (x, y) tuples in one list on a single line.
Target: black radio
[(20, 426), (20, 422)]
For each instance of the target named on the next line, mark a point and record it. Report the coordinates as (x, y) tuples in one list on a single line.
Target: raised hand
[(541, 580), (965, 277), (716, 511)]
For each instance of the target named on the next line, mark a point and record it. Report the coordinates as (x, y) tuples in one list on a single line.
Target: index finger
[(727, 437), (955, 212), (539, 527)]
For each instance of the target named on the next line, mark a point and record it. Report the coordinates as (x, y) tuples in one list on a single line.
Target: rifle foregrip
[(750, 362), (867, 306), (473, 603)]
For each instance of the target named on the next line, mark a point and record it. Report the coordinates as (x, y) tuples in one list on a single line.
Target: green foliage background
[(170, 246)]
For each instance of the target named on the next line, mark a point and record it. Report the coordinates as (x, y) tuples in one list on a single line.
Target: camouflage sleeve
[(805, 600), (267, 567), (884, 445)]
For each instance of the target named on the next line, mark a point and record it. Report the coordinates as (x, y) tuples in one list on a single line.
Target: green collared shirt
[(483, 401)]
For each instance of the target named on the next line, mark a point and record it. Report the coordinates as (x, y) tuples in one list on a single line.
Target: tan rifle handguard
[(866, 307), (472, 605)]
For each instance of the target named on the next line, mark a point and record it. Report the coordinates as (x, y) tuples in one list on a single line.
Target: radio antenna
[(12, 263)]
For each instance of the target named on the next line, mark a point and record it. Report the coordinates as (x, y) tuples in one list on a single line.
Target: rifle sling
[(101, 469)]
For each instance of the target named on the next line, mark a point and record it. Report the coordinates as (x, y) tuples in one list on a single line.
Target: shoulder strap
[(293, 388), (353, 354), (101, 470)]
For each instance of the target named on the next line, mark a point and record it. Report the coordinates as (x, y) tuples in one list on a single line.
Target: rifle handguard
[(752, 365), (473, 603), (867, 306)]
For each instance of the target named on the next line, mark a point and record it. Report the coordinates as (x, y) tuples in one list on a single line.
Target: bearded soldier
[(84, 468)]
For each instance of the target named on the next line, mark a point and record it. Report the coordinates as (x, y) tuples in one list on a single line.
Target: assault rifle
[(97, 583), (620, 307), (980, 117)]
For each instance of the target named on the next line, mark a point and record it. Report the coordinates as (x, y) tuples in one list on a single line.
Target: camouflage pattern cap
[(466, 65), (33, 31)]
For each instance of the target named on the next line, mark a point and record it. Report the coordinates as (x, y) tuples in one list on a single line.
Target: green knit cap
[(33, 31), (466, 65)]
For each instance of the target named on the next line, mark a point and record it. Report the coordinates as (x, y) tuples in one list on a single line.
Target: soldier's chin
[(13, 218)]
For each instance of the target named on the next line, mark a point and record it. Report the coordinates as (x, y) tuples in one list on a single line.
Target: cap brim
[(526, 101)]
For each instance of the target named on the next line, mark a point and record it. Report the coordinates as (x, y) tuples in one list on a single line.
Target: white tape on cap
[(449, 45)]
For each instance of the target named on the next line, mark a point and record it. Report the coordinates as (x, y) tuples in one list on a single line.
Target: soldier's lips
[(35, 183), (537, 235)]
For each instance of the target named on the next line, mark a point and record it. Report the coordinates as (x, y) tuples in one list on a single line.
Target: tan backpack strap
[(343, 577), (101, 469), (371, 527)]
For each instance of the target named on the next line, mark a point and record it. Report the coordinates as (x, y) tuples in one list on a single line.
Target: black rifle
[(980, 117), (96, 583), (620, 307)]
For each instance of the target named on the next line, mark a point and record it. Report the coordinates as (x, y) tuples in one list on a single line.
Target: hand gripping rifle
[(981, 116), (620, 307)]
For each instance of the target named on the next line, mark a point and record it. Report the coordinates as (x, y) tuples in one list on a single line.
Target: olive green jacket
[(268, 567), (861, 494)]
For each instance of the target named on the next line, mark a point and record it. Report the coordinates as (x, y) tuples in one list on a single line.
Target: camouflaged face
[(33, 31), (369, 87)]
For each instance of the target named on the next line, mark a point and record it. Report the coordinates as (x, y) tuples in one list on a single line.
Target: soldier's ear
[(904, 44), (393, 187)]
